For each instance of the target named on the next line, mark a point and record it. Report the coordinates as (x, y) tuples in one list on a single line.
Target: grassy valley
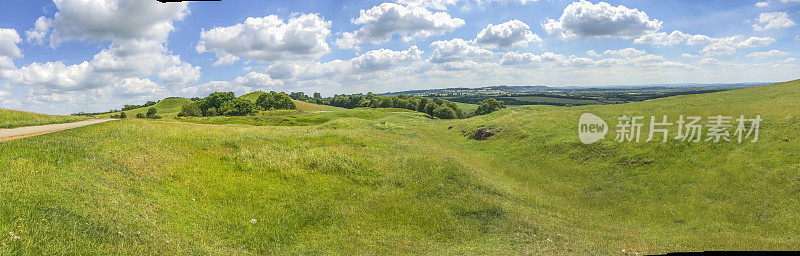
[(326, 180)]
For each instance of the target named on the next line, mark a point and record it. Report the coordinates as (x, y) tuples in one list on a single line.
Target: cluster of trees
[(152, 113), (130, 107), (275, 101), (227, 104), (121, 115), (218, 104), (316, 99), (488, 106), (438, 108)]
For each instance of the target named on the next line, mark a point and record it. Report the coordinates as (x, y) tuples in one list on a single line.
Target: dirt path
[(24, 132)]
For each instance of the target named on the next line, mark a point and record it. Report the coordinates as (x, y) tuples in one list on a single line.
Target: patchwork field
[(389, 181)]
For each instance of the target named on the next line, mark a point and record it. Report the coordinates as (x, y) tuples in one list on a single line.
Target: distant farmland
[(563, 96), (530, 100)]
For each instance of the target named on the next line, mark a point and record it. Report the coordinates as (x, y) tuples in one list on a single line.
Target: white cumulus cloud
[(369, 62), (770, 53), (39, 31), (443, 4), (139, 87), (382, 22), (511, 34), (268, 39), (457, 50), (9, 38), (101, 20), (662, 38), (584, 19), (241, 85), (773, 20)]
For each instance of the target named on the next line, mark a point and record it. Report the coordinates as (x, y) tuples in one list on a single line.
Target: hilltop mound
[(166, 107), (253, 96)]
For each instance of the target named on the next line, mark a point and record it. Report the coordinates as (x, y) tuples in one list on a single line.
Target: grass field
[(13, 119), (383, 181)]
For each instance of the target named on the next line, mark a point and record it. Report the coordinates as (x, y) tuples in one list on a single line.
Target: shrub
[(130, 107), (274, 100), (445, 112), (455, 108), (151, 112), (489, 106), (429, 107), (191, 109), (140, 115), (211, 112), (237, 107), (121, 115)]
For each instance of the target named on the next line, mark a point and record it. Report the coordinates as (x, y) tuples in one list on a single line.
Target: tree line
[(435, 107), (227, 104)]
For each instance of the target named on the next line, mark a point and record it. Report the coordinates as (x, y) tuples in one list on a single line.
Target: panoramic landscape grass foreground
[(391, 181)]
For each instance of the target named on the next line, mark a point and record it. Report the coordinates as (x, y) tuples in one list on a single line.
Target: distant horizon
[(430, 89), (64, 56)]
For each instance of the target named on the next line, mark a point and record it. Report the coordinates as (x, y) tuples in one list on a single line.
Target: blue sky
[(64, 56)]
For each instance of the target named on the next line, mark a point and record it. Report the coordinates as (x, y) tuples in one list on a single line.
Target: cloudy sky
[(64, 56)]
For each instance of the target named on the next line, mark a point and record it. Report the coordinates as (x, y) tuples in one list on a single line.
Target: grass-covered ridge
[(13, 119), (383, 181), (169, 107)]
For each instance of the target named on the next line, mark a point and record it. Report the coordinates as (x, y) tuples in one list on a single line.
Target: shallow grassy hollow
[(395, 182)]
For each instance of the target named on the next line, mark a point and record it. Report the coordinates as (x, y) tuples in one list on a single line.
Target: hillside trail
[(29, 131)]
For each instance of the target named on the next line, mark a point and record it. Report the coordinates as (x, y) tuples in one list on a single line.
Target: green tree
[(488, 106), (274, 100), (444, 112), (215, 100), (429, 107), (151, 112), (237, 107), (191, 109), (211, 112), (123, 115)]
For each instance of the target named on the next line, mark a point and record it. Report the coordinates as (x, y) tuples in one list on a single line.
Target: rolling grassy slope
[(390, 182), (169, 107), (13, 119), (311, 107)]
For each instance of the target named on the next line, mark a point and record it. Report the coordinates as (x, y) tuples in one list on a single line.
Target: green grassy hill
[(376, 181), (169, 107), (13, 119), (253, 96)]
